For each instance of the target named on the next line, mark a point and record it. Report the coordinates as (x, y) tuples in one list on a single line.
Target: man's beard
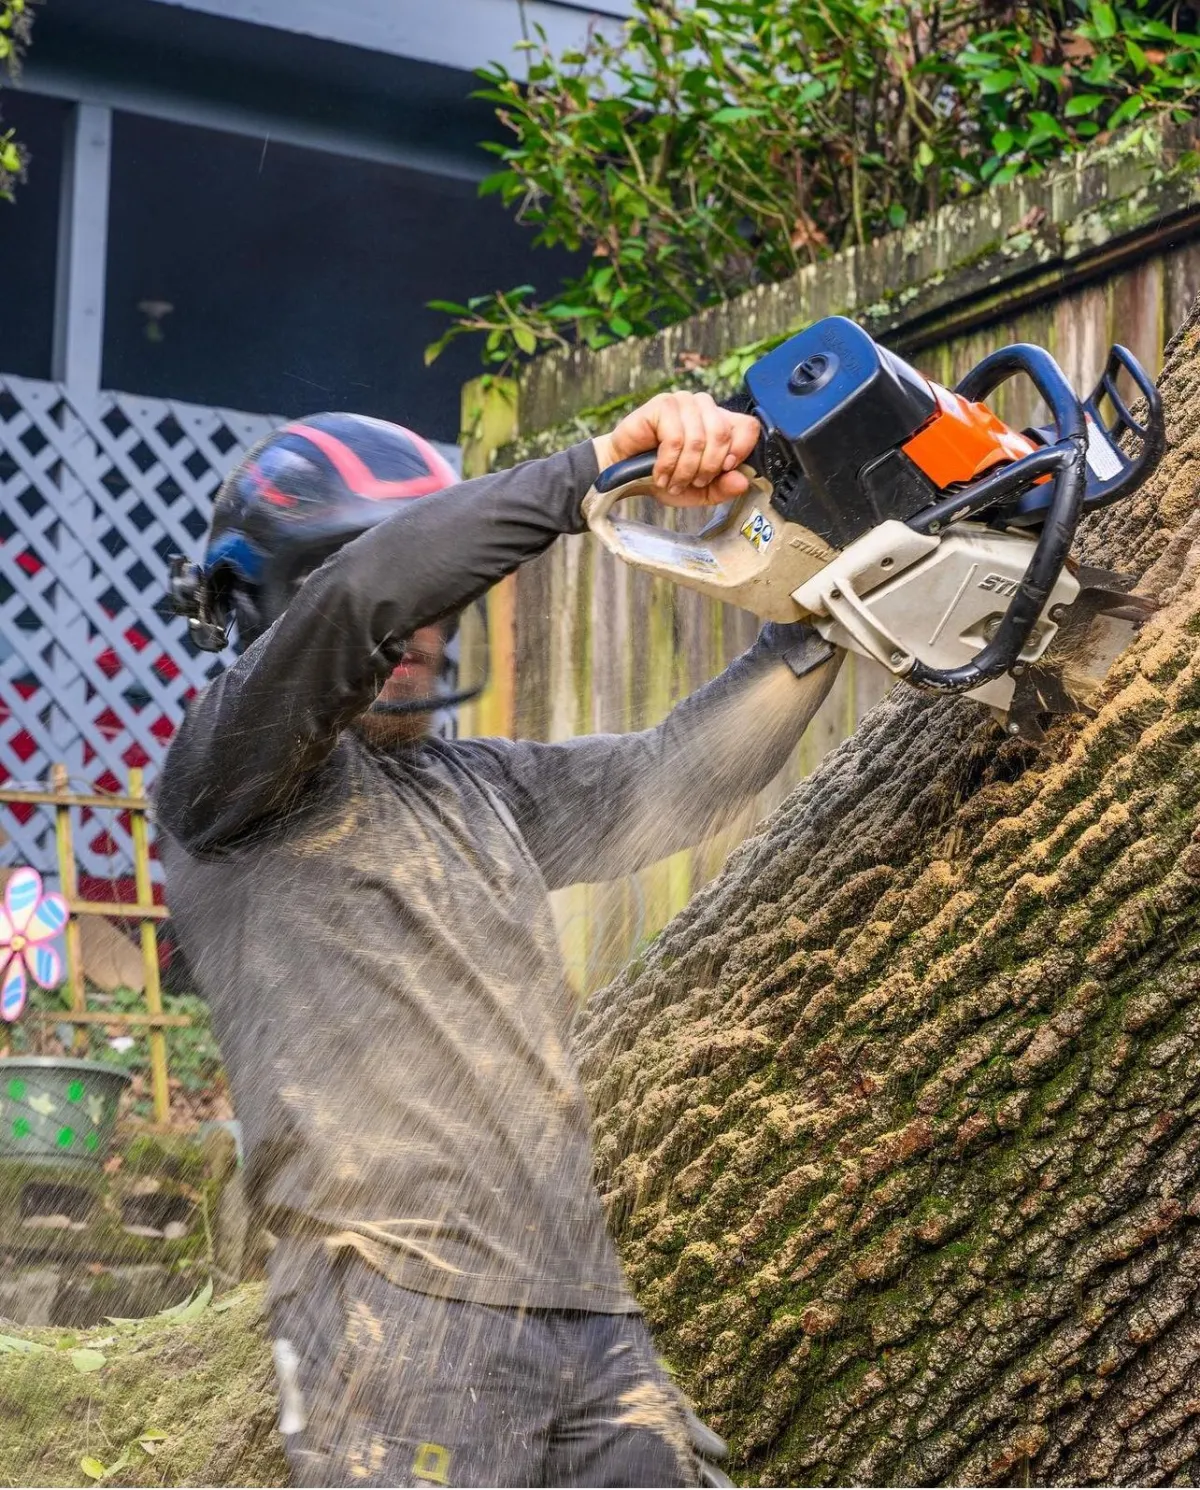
[(388, 730), (392, 719)]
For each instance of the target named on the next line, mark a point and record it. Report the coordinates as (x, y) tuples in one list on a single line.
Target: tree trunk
[(897, 1120)]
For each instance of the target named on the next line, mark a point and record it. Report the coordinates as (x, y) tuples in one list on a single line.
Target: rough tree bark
[(897, 1121)]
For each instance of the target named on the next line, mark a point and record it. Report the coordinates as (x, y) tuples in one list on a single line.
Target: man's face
[(416, 677)]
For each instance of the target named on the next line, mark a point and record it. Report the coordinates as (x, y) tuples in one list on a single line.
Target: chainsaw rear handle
[(1067, 482), (610, 486), (745, 555)]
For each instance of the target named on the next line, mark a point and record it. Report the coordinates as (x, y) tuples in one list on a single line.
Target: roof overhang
[(383, 80), (449, 33)]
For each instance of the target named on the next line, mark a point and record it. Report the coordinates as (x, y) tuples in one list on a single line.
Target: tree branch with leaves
[(16, 27), (710, 147)]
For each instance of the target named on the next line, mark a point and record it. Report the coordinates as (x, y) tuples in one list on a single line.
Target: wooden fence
[(582, 643)]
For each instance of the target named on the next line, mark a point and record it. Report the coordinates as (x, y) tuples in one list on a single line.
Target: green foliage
[(1046, 89), (16, 25), (709, 147), (193, 1057)]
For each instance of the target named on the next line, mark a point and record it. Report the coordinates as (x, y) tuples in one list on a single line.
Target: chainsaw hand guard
[(1112, 474)]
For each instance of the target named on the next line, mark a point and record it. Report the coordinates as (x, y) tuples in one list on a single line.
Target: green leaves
[(999, 81), (16, 24), (1130, 109), (191, 1308), (1104, 19), (704, 149), (87, 1361), (149, 1441), (1045, 127), (734, 114)]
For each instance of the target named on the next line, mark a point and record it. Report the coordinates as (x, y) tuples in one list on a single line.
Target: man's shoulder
[(491, 764)]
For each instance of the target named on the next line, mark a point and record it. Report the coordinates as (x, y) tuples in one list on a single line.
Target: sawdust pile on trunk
[(898, 1120)]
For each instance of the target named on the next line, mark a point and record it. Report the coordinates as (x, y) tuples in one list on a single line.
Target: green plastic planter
[(58, 1111)]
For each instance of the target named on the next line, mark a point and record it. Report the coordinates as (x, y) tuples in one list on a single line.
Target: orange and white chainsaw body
[(897, 596), (905, 521)]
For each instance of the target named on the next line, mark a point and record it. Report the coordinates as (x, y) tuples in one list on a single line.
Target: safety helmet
[(293, 500)]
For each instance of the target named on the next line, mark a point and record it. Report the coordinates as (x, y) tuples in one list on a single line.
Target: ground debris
[(194, 1393)]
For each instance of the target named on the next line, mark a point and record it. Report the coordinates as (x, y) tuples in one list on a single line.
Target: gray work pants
[(384, 1386)]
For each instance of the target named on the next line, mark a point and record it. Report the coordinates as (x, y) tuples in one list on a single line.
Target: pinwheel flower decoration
[(29, 922)]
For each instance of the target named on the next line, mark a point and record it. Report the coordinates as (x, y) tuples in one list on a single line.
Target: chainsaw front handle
[(1068, 484)]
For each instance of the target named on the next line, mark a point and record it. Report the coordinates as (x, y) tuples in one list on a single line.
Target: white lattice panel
[(94, 671)]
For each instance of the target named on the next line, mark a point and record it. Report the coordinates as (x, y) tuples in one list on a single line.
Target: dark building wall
[(299, 280), (28, 238)]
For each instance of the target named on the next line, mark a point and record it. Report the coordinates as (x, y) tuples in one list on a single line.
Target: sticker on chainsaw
[(641, 542), (757, 530), (1101, 455)]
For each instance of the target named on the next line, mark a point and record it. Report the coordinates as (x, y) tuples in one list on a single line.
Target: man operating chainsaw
[(365, 908)]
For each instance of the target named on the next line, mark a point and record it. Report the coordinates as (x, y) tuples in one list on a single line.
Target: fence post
[(69, 879), (83, 240), (489, 420), (160, 1091)]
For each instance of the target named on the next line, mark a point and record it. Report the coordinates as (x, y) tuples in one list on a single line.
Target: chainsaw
[(906, 522)]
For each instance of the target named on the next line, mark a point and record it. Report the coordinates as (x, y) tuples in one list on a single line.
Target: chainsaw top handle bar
[(1066, 464), (632, 468)]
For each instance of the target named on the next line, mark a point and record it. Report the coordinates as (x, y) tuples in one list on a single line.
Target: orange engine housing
[(963, 440)]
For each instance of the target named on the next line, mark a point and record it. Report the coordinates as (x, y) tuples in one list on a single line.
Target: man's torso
[(387, 990)]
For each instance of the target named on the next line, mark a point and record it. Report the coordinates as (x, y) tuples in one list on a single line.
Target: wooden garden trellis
[(60, 799), (96, 494)]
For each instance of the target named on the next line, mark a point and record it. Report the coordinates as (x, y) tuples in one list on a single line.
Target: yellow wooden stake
[(160, 1091), (69, 881)]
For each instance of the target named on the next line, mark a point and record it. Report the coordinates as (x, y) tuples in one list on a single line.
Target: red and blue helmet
[(294, 500)]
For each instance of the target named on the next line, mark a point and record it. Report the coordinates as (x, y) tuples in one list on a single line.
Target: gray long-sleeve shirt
[(371, 927)]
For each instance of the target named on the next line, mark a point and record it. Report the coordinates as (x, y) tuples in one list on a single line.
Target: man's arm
[(252, 737), (602, 806)]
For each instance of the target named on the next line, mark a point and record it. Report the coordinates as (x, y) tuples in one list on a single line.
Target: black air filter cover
[(832, 403)]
